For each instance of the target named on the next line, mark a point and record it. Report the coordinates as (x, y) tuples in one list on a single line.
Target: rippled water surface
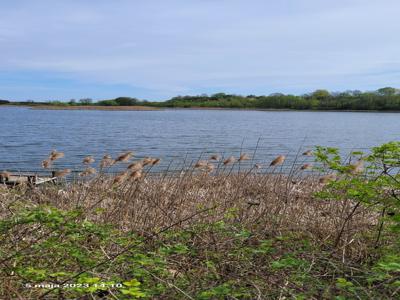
[(27, 136)]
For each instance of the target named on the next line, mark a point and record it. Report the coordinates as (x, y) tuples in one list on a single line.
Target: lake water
[(27, 136)]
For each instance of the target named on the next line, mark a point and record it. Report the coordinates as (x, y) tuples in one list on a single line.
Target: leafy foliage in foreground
[(243, 264), (212, 243), (373, 181)]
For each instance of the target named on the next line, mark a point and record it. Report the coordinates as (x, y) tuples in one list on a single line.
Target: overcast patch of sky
[(158, 49)]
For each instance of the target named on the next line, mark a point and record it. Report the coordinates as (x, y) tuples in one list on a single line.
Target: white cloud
[(182, 46)]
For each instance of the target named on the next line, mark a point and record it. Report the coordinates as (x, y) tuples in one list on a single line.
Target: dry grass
[(272, 202), (269, 205)]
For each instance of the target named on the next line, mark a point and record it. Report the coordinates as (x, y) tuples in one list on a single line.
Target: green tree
[(387, 91), (86, 101), (126, 101), (321, 94)]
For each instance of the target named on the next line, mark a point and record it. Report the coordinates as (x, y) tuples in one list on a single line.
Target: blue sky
[(158, 49)]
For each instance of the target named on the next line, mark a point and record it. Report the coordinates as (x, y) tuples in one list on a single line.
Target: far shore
[(92, 107), (152, 108)]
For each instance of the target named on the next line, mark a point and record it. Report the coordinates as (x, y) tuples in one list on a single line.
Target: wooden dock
[(29, 179)]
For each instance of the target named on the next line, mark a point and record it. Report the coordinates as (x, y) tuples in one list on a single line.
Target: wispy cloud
[(157, 49)]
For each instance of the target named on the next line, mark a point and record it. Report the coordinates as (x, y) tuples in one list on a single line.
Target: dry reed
[(124, 157), (147, 161), (357, 167), (46, 163), (135, 175), (107, 161), (154, 203), (201, 164), (278, 161), (136, 166), (210, 167), (54, 155), (267, 205), (306, 167), (119, 178), (88, 172), (327, 178), (155, 161), (62, 173), (229, 160), (215, 157), (88, 160), (244, 156)]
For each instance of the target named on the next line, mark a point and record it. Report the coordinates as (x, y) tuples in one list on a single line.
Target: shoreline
[(93, 107), (280, 109), (152, 108)]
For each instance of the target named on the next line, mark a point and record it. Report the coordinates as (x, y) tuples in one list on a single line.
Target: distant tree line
[(120, 101), (387, 98), (383, 99)]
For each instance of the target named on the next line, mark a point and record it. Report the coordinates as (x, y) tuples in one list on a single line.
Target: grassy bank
[(93, 107), (209, 233)]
